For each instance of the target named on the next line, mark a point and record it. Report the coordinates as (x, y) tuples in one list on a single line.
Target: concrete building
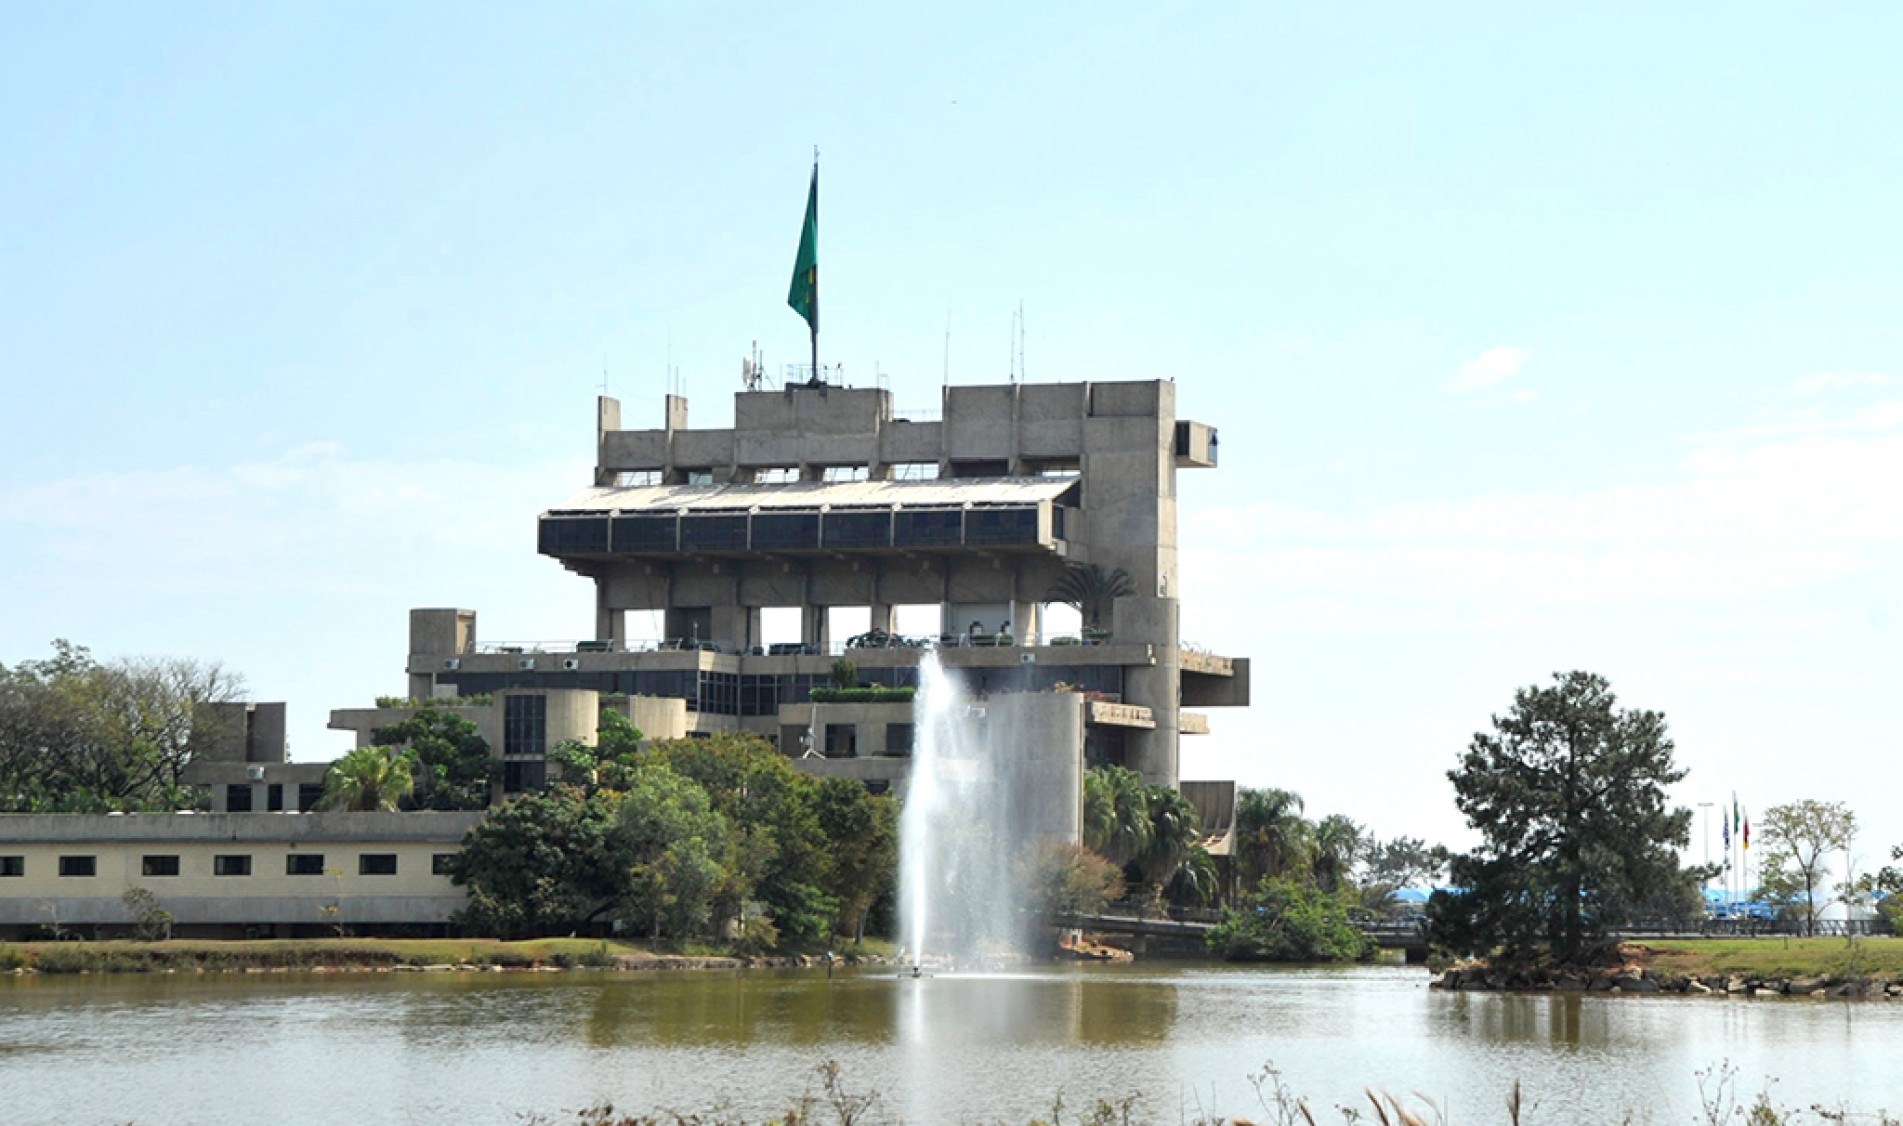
[(244, 763), (230, 875), (820, 498)]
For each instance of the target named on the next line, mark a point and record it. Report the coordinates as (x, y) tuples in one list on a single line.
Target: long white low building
[(231, 875)]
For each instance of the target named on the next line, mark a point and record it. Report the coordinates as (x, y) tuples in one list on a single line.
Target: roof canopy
[(816, 495)]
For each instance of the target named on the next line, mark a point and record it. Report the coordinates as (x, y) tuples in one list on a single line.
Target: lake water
[(492, 1048)]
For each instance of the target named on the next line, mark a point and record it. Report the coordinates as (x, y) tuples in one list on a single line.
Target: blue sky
[(1538, 340)]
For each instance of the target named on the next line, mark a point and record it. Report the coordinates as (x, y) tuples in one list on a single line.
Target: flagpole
[(813, 326)]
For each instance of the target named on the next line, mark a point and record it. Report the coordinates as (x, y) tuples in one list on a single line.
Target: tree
[(1117, 823), (1176, 831), (775, 808), (78, 736), (1337, 844), (544, 863), (1091, 590), (369, 779), (1272, 836), (452, 766), (1067, 879), (1290, 920), (675, 846), (1568, 795), (862, 830), (608, 764), (1798, 837), (1389, 866)]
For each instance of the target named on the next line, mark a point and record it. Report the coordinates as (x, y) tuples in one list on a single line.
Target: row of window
[(788, 531), (232, 864)]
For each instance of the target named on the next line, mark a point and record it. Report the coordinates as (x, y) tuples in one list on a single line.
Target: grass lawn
[(1776, 957), (305, 953)]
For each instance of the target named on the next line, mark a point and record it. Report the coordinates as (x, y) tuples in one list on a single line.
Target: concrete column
[(1024, 622), (610, 624), (884, 616), (813, 627), (1158, 687), (736, 626)]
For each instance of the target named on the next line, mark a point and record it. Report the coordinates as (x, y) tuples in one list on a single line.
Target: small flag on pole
[(1724, 820), (803, 296), (1747, 834)]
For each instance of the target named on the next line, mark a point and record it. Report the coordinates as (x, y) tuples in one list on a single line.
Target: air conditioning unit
[(525, 663), (452, 663), (1027, 658), (570, 664), (255, 773)]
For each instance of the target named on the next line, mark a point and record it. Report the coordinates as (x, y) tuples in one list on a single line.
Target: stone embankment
[(1639, 979)]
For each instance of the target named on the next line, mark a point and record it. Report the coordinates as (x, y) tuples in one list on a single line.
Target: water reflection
[(491, 1047)]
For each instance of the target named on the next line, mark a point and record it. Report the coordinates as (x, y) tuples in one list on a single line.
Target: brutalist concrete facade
[(821, 497)]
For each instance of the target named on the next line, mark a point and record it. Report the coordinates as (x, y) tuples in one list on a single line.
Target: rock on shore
[(1639, 979)]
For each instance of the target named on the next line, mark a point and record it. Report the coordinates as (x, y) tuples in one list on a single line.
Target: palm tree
[(1116, 814), (1337, 842), (1272, 836), (1198, 881), (1175, 829), (1091, 590), (369, 778)]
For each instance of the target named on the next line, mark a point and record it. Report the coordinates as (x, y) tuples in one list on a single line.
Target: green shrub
[(864, 694), (1290, 921)]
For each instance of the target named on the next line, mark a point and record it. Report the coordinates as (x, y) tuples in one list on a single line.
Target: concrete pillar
[(1153, 753), (1024, 622), (735, 626), (884, 617), (611, 625), (813, 629)]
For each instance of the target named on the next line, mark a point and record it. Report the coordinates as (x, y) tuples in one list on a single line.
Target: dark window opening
[(646, 533), (440, 864), (1001, 525), (713, 533), (78, 865), (520, 777), (376, 864), (159, 866), (231, 865), (308, 795), (274, 798), (785, 531), (237, 799), (12, 865), (939, 527), (571, 535), (304, 864), (980, 469), (842, 740), (898, 739), (525, 726), (858, 529)]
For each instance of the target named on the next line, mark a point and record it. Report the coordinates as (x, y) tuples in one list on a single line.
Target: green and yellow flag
[(804, 294)]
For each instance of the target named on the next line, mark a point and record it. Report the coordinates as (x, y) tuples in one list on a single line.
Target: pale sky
[(1537, 340)]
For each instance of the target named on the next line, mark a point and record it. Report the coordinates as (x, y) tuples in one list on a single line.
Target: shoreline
[(1869, 968), (367, 955)]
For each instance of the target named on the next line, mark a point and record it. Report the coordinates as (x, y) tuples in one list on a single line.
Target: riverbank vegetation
[(1568, 795), (260, 955), (82, 736), (830, 1099), (718, 841)]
